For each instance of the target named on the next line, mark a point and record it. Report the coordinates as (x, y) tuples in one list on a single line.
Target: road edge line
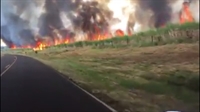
[(9, 66), (68, 79), (85, 91), (91, 95)]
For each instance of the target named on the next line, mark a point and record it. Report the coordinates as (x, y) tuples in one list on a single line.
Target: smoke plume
[(22, 20), (161, 10)]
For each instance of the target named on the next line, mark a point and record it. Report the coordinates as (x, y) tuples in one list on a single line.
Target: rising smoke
[(160, 8), (21, 20)]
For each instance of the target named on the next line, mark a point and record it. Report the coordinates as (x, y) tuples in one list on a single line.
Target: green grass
[(153, 37), (132, 76), (182, 78)]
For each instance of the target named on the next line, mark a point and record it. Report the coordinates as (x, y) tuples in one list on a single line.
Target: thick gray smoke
[(160, 8), (50, 20), (21, 20), (14, 29)]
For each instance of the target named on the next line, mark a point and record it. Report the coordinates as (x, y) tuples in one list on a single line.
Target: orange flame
[(13, 46), (66, 41), (119, 32), (186, 15), (39, 46)]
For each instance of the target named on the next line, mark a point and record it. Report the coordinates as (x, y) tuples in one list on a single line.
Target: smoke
[(21, 20), (161, 10), (14, 22), (10, 31), (194, 6)]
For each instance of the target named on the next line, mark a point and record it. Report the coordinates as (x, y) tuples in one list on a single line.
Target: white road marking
[(91, 95), (9, 66)]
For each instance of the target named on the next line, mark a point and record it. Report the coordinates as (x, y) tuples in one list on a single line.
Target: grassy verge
[(134, 79)]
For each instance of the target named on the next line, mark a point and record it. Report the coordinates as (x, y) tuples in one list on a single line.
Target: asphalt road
[(27, 85)]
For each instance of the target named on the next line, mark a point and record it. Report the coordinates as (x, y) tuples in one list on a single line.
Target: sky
[(2, 43)]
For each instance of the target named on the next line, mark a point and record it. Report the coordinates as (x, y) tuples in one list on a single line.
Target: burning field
[(37, 24), (127, 77)]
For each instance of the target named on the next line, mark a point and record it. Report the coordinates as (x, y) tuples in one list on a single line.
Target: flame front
[(42, 45), (119, 32), (119, 28), (186, 15), (13, 46), (39, 46)]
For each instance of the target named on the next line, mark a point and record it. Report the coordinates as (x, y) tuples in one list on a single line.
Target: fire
[(42, 45), (97, 35), (66, 41), (186, 15), (13, 46), (28, 46), (39, 46), (119, 32)]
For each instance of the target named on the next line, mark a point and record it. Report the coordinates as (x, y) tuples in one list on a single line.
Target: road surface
[(27, 85)]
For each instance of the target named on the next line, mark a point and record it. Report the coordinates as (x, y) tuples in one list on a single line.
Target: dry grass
[(142, 79)]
